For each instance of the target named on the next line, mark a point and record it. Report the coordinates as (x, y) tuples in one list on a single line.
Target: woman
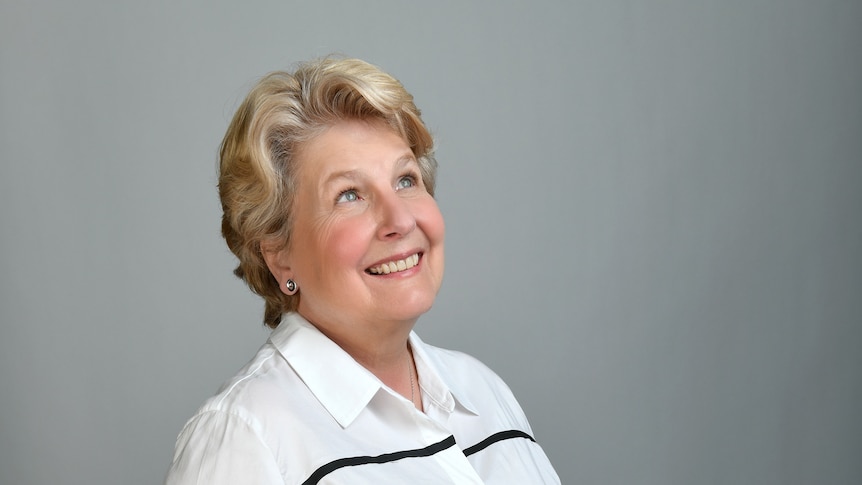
[(327, 182)]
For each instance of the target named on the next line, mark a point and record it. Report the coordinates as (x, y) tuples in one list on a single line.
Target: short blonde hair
[(257, 169)]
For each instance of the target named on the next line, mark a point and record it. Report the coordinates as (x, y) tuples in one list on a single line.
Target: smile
[(395, 266)]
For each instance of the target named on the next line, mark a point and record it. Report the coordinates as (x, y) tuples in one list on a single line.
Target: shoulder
[(461, 366), (248, 399), (236, 396), (475, 384), (228, 439), (494, 428), (222, 448), (264, 378)]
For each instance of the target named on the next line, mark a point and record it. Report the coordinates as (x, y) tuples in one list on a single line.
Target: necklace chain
[(410, 372)]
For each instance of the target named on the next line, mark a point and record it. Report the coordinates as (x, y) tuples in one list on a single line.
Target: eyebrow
[(346, 174), (401, 162)]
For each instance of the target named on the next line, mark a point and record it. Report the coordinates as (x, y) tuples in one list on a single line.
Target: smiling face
[(367, 238)]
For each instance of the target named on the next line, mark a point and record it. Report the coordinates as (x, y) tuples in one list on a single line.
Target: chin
[(411, 310)]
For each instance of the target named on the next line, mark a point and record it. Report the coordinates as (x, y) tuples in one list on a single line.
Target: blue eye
[(406, 181), (348, 195)]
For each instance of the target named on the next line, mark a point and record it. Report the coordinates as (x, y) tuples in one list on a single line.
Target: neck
[(382, 348)]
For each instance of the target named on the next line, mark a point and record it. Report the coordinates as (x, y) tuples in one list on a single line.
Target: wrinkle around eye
[(345, 196), (411, 178)]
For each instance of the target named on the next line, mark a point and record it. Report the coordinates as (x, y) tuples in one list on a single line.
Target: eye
[(348, 195), (406, 182)]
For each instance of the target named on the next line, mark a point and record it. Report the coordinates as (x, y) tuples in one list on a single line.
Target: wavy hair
[(257, 160)]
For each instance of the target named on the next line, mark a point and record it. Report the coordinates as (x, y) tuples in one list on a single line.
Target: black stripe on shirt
[(385, 458), (502, 435)]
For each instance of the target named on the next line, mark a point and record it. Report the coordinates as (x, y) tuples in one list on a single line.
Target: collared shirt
[(303, 411)]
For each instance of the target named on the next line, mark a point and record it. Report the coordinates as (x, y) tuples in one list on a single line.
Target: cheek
[(346, 242), (431, 220)]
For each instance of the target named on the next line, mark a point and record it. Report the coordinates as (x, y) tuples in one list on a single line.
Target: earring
[(290, 285)]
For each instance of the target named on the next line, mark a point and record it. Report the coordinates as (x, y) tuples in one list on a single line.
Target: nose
[(395, 217)]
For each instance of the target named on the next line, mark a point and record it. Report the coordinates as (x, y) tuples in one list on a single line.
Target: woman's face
[(367, 237)]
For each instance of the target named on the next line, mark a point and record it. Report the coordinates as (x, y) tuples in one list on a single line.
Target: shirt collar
[(342, 385), (438, 379)]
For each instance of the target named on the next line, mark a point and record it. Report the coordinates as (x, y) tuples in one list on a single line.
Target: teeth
[(396, 266)]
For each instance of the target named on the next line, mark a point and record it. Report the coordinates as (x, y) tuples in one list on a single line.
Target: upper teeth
[(395, 266)]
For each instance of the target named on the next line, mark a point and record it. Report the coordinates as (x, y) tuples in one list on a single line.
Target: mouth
[(395, 266)]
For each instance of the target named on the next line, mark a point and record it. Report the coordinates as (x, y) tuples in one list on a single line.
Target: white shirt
[(304, 412)]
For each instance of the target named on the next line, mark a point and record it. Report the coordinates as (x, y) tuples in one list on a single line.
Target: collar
[(438, 379), (342, 385)]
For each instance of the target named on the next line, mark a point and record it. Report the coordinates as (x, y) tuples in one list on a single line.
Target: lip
[(397, 257)]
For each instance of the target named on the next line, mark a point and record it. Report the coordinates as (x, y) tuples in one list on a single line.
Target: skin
[(361, 202)]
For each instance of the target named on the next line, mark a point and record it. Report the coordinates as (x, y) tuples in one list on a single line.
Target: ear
[(276, 257)]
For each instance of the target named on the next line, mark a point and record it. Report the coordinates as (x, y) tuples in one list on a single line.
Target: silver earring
[(290, 285)]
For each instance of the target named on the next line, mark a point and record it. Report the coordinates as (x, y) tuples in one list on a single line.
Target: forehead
[(351, 147)]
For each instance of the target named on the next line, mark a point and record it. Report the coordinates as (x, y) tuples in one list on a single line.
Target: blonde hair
[(257, 169)]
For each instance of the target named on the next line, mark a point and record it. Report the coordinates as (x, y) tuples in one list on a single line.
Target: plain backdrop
[(654, 223)]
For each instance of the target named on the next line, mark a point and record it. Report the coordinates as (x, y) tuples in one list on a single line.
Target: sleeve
[(217, 448)]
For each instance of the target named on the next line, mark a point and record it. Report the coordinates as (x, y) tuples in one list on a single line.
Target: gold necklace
[(410, 372)]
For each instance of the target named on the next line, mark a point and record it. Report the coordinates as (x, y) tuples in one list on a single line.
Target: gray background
[(653, 210)]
